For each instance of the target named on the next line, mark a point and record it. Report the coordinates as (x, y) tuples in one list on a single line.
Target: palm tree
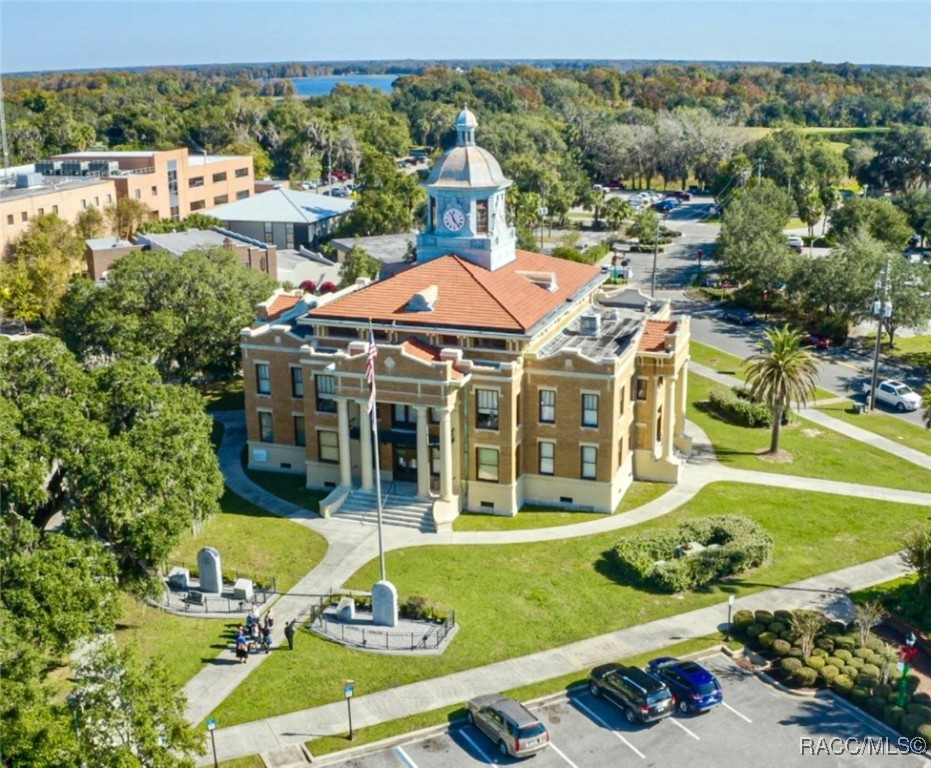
[(926, 403), (780, 372)]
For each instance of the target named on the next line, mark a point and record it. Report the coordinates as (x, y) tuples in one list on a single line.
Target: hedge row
[(733, 544), (735, 406)]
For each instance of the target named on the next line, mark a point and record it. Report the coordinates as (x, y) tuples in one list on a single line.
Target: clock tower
[(466, 207)]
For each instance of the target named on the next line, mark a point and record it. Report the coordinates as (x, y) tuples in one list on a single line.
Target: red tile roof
[(469, 296), (653, 338), (279, 305), (423, 351)]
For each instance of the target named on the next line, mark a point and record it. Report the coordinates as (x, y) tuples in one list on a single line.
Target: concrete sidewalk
[(827, 592)]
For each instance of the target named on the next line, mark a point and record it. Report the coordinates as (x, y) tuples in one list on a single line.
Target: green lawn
[(512, 600), (225, 396), (914, 350), (539, 517), (251, 542), (815, 451), (288, 487), (883, 424)]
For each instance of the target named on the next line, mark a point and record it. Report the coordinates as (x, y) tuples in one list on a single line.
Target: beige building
[(502, 379)]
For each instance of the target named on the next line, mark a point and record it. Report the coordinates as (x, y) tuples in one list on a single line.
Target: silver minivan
[(509, 724)]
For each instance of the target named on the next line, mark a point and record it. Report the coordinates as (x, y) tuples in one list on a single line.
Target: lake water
[(321, 86)]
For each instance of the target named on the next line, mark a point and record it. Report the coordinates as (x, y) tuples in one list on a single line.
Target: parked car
[(694, 687), (895, 394), (795, 243), (643, 697), (666, 205), (614, 184), (681, 196), (339, 192), (738, 316), (309, 184), (817, 341), (509, 724), (340, 175)]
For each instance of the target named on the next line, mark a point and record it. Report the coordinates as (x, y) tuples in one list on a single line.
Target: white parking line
[(742, 717), (676, 722), (405, 758), (562, 754), (475, 746), (598, 719)]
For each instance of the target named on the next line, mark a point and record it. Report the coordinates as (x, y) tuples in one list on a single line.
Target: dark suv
[(643, 697)]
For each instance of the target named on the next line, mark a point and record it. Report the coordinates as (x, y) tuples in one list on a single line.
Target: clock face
[(453, 219)]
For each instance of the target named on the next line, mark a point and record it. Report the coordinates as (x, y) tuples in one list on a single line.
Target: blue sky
[(40, 35)]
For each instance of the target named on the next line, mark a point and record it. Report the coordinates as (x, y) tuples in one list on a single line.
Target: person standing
[(289, 634)]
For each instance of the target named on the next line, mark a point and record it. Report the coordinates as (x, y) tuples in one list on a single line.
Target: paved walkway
[(351, 545)]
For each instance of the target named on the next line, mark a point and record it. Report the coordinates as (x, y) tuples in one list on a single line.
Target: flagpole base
[(384, 604)]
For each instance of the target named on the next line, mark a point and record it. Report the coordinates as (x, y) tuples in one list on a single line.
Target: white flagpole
[(374, 412)]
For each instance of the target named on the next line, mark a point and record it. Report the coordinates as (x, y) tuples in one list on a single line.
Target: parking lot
[(758, 726)]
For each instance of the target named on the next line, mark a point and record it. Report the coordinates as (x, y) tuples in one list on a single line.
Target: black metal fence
[(194, 601)]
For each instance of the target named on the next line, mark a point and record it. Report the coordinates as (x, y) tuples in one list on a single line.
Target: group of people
[(254, 635)]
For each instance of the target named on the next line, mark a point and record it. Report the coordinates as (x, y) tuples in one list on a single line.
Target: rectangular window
[(300, 435), (9, 220), (266, 433), (641, 389), (547, 458), (41, 212), (198, 205), (517, 409), (486, 464), (221, 176), (297, 382), (620, 451), (242, 173), (434, 415), (154, 191), (137, 193), (55, 209), (289, 235), (486, 409), (481, 217), (269, 234), (83, 204), (242, 194), (175, 213), (589, 410), (24, 216), (403, 416), (195, 181), (263, 384), (589, 462), (220, 199), (547, 406), (97, 202), (109, 198), (328, 445), (326, 388), (622, 401), (518, 469)]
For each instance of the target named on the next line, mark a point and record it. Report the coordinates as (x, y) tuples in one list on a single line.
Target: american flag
[(370, 369)]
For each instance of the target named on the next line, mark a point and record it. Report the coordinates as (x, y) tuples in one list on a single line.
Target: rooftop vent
[(545, 280), (28, 180), (423, 300), (589, 325)]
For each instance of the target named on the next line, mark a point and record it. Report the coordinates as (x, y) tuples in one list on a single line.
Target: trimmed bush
[(777, 628), (820, 653), (909, 724), (766, 639), (842, 684), (923, 711), (862, 653), (816, 663), (867, 681), (922, 698), (309, 286), (805, 677), (795, 652), (925, 732), (880, 690), (790, 666), (850, 672), (763, 617), (875, 705), (844, 655), (783, 616), (857, 663), (755, 630), (781, 648), (836, 661), (892, 715), (859, 695), (845, 643), (835, 628), (828, 672), (872, 670), (743, 618), (825, 644), (735, 407), (655, 559)]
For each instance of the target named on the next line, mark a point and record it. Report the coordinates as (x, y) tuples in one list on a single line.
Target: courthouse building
[(502, 380)]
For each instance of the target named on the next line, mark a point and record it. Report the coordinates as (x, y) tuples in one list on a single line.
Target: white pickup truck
[(895, 394)]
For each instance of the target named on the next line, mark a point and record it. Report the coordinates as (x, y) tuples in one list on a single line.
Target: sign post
[(347, 692), (212, 727)]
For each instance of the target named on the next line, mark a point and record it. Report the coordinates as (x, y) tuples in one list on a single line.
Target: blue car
[(695, 688), (665, 206)]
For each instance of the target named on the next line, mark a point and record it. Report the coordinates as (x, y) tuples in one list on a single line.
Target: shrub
[(867, 681), (783, 616), (766, 639), (743, 618), (825, 644), (909, 724), (763, 617), (859, 695), (842, 684), (843, 654), (862, 653), (835, 628), (921, 710), (777, 628), (755, 630), (828, 672), (805, 677), (925, 732), (851, 672), (835, 661), (795, 652), (781, 647), (875, 705), (922, 698), (820, 653), (415, 608), (871, 669), (790, 666), (327, 286), (816, 663), (845, 643), (309, 286), (881, 690), (857, 663), (654, 559), (739, 410), (892, 715)]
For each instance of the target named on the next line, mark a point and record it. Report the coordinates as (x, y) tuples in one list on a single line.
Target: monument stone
[(211, 575), (384, 604)]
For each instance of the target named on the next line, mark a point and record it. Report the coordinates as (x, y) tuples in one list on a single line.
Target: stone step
[(396, 510)]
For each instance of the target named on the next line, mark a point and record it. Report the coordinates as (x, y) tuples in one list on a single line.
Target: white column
[(365, 436), (423, 450), (681, 399), (654, 438), (669, 410), (345, 463), (446, 455)]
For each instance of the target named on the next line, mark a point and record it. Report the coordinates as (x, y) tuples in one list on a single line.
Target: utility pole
[(881, 308), (543, 213), (655, 247)]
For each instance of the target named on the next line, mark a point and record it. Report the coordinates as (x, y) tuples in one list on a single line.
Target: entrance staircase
[(400, 511)]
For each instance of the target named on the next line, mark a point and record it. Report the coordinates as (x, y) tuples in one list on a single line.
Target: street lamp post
[(347, 692), (730, 613), (882, 308), (212, 727)]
